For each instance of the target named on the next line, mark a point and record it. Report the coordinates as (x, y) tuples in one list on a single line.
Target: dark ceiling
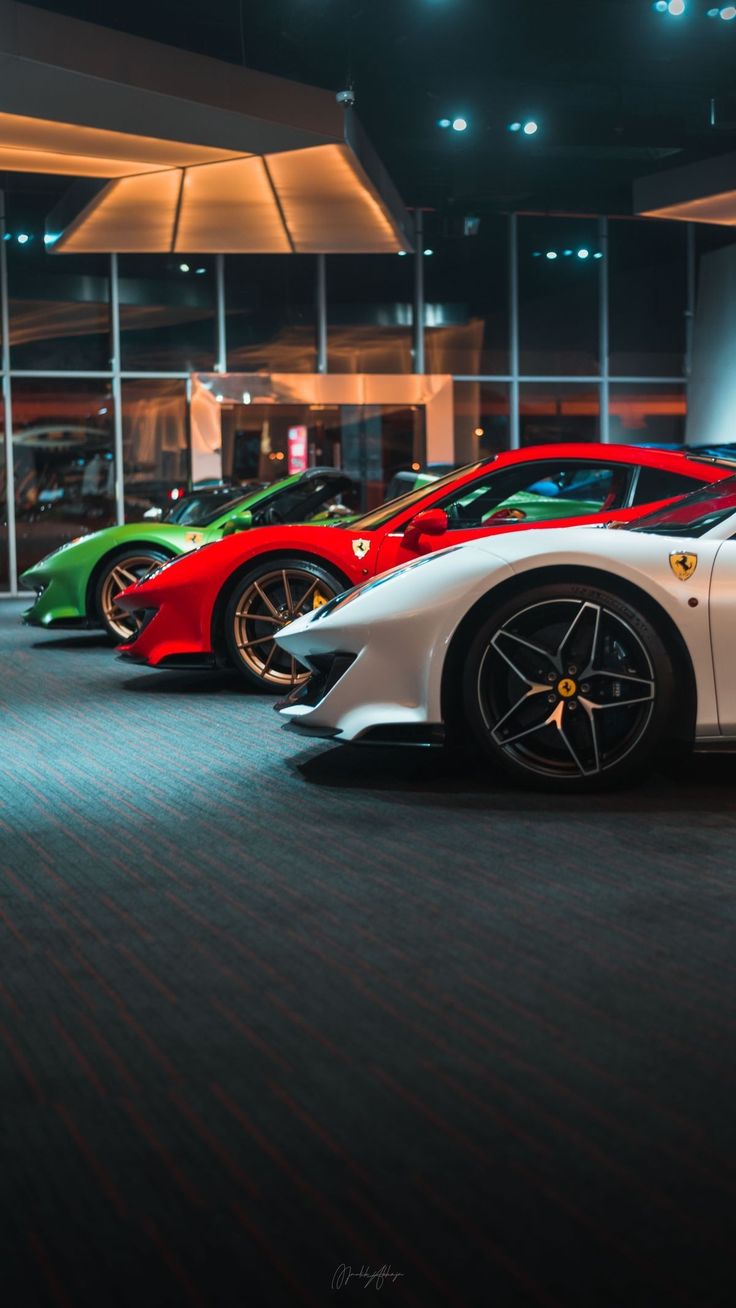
[(619, 90)]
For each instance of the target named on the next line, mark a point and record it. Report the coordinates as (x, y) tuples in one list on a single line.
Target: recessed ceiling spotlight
[(428, 251), (583, 253), (598, 254), (514, 127), (459, 124), (183, 267), (551, 254), (530, 128), (728, 13), (444, 122), (23, 238), (676, 7)]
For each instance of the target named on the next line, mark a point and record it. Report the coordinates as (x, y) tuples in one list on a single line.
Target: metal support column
[(321, 304), (117, 391), (689, 301), (603, 337), (514, 422), (418, 322), (221, 354), (8, 404)]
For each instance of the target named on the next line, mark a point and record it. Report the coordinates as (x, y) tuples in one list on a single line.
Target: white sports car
[(572, 657)]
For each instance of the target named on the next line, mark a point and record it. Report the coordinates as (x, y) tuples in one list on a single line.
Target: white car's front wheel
[(569, 687)]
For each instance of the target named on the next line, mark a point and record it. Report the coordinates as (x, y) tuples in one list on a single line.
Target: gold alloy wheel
[(269, 603), (124, 572)]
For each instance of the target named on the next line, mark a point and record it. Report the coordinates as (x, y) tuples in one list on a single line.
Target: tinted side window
[(538, 492), (655, 484)]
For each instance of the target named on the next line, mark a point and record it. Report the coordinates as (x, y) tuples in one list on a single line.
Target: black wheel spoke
[(530, 662), (527, 715), (577, 651)]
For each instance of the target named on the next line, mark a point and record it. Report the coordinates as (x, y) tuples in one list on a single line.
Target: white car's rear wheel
[(570, 687)]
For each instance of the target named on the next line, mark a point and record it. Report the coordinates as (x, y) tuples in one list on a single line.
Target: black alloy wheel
[(266, 599), (121, 570), (569, 688)]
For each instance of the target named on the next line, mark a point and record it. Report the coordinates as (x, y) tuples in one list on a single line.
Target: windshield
[(695, 514), (384, 512), (201, 510)]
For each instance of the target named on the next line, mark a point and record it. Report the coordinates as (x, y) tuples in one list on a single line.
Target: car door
[(723, 633), (545, 492)]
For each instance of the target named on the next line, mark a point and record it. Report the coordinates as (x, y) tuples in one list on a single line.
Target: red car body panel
[(184, 598)]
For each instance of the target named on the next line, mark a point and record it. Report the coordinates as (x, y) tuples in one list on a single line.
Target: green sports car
[(77, 584)]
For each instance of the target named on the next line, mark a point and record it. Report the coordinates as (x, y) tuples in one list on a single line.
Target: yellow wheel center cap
[(566, 688)]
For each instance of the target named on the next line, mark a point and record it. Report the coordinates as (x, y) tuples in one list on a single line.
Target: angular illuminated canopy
[(702, 192), (178, 152)]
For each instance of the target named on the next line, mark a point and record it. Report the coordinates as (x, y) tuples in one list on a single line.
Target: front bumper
[(169, 638), (56, 604)]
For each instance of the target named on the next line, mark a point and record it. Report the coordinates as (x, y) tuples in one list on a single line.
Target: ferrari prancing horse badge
[(361, 548), (683, 565)]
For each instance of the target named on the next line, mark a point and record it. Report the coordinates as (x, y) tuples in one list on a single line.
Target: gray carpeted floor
[(266, 1011)]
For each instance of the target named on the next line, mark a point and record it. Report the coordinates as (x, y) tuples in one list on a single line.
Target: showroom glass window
[(481, 420), (63, 462), (466, 291), (4, 570), (167, 312), (558, 411), (645, 413), (647, 297), (155, 443), (369, 313), (558, 296), (59, 305), (270, 307)]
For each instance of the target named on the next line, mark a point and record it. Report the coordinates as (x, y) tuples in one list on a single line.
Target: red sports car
[(222, 604)]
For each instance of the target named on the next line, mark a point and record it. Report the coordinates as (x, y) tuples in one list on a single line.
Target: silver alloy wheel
[(270, 602), (123, 573), (566, 688)]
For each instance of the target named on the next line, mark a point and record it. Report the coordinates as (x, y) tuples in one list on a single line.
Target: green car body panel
[(65, 580)]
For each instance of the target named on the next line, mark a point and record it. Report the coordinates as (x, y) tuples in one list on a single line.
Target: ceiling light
[(459, 124), (514, 127), (23, 238), (583, 253), (183, 267), (103, 410), (598, 254), (567, 253), (198, 271), (728, 12), (676, 7), (443, 122), (530, 128), (551, 254), (428, 251), (478, 431), (401, 253)]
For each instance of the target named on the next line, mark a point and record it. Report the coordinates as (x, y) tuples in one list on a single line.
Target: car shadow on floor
[(701, 784), (206, 682), (86, 640)]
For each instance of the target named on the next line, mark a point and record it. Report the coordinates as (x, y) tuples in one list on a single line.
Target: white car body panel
[(421, 607)]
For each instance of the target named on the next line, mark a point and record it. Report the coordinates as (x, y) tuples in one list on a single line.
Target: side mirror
[(241, 522), (431, 522), (153, 514)]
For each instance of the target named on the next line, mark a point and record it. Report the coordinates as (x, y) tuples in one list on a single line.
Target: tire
[(266, 598), (569, 688), (121, 569)]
